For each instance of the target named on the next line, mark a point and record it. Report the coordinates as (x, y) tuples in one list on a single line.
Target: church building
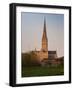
[(44, 55)]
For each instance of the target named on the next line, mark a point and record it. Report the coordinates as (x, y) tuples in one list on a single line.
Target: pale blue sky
[(32, 28)]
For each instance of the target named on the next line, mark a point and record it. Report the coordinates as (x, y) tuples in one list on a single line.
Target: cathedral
[(44, 55)]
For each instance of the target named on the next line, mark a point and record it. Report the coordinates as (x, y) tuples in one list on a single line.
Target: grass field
[(42, 71)]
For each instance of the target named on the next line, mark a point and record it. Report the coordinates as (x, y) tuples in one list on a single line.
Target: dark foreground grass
[(42, 71)]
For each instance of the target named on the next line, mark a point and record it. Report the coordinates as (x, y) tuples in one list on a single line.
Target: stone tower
[(44, 39), (44, 50), (43, 53)]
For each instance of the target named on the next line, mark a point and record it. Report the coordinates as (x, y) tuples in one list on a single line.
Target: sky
[(32, 25)]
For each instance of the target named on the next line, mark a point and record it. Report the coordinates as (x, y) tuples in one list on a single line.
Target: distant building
[(44, 55)]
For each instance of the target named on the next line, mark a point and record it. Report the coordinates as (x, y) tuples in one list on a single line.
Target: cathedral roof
[(49, 52), (52, 52)]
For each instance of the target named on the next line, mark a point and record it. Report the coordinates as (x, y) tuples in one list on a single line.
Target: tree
[(30, 59)]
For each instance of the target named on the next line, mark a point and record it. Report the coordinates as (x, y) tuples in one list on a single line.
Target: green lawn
[(42, 71)]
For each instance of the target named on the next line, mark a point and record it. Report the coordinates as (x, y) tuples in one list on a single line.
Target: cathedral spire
[(44, 38), (44, 26), (44, 31)]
